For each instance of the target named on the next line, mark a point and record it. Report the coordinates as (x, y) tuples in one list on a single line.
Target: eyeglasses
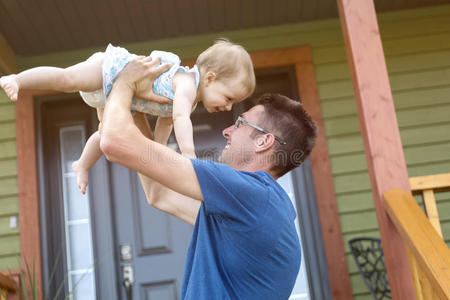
[(241, 120)]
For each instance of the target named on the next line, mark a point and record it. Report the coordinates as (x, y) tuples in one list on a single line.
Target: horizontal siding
[(418, 61), (9, 237), (417, 49)]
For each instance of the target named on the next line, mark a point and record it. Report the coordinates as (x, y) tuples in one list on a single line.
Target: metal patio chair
[(369, 258)]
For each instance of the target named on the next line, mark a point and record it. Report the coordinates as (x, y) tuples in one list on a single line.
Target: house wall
[(417, 49), (9, 205)]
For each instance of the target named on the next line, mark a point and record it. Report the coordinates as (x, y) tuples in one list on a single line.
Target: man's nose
[(227, 131)]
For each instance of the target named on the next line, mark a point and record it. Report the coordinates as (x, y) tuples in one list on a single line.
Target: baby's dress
[(116, 58)]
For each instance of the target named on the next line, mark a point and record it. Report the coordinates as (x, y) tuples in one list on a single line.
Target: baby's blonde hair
[(226, 59)]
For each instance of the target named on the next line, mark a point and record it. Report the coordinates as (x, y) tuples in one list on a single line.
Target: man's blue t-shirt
[(244, 244)]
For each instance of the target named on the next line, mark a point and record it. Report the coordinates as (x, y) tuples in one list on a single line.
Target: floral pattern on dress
[(116, 58)]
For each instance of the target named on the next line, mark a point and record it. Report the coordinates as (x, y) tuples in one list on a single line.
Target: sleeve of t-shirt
[(234, 194)]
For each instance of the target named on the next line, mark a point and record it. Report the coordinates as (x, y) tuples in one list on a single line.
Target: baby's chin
[(214, 110)]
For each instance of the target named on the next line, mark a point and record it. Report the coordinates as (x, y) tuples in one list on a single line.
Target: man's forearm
[(169, 201), (117, 109), (157, 195)]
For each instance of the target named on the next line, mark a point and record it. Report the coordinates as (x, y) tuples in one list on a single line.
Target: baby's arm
[(183, 101)]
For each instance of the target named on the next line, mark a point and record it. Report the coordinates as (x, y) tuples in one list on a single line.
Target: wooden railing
[(429, 256), (427, 186), (6, 285)]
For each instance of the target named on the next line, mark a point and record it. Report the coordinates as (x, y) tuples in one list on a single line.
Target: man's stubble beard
[(235, 159)]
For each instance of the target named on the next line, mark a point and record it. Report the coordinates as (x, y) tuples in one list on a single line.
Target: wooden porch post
[(379, 129), (30, 235)]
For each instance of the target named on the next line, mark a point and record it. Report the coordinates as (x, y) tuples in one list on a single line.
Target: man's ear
[(209, 77), (264, 142)]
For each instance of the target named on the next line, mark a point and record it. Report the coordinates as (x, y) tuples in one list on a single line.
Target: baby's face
[(220, 95)]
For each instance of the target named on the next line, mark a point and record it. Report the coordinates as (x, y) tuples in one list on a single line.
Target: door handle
[(128, 280)]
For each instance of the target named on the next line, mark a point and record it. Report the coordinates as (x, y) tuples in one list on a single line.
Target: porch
[(417, 54)]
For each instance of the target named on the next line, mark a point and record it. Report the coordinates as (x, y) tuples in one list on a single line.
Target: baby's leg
[(90, 155), (163, 129), (85, 76)]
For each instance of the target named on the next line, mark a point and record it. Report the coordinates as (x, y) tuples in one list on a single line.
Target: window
[(77, 219)]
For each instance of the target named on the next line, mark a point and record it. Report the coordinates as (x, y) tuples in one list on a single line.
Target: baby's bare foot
[(82, 176), (11, 86)]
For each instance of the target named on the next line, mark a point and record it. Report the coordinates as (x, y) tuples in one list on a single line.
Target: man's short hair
[(287, 119)]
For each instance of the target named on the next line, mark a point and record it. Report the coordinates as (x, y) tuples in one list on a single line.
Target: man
[(244, 243)]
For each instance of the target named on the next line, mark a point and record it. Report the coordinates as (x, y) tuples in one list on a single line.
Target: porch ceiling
[(40, 26)]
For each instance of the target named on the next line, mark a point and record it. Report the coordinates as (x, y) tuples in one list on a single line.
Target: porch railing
[(427, 186), (429, 256)]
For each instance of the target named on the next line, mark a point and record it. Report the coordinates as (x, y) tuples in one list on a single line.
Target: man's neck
[(255, 167)]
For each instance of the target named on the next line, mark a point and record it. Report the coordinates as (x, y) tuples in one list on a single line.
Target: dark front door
[(156, 241), (94, 242)]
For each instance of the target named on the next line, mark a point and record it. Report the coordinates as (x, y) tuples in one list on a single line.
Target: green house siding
[(417, 49), (9, 205)]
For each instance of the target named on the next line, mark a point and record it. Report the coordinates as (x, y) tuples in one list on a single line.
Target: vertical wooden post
[(379, 129), (30, 235)]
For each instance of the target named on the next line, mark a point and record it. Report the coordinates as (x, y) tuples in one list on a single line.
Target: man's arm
[(159, 196), (169, 201), (123, 143)]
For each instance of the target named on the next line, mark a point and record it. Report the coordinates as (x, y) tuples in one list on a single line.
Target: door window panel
[(77, 221)]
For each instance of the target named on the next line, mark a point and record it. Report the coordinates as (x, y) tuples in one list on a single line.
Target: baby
[(223, 75)]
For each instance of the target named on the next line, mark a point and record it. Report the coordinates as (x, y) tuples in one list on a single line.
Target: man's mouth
[(216, 109), (227, 145)]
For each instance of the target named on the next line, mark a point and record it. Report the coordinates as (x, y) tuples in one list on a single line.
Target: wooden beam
[(430, 251), (281, 57), (379, 129), (439, 181), (8, 63), (429, 202), (30, 235)]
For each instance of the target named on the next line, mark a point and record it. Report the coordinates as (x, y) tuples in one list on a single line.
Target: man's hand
[(117, 110), (143, 69)]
